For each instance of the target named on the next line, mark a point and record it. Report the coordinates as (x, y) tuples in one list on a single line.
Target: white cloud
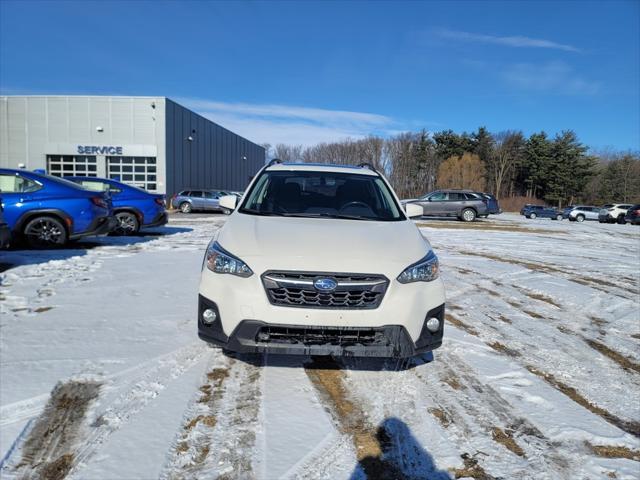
[(516, 41), (554, 77), (265, 123)]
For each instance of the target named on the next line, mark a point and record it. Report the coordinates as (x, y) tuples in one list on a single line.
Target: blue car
[(133, 207), (48, 211), (535, 211)]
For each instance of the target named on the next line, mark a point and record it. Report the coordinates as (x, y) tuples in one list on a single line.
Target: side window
[(455, 196), (196, 193), (95, 186), (470, 196), (438, 197), (213, 195), (17, 184)]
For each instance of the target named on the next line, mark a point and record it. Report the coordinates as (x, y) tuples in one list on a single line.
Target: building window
[(72, 165), (137, 171)]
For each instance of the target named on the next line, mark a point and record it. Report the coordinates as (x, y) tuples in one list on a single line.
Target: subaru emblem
[(325, 284)]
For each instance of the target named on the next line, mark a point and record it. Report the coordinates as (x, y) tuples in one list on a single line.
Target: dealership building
[(150, 142)]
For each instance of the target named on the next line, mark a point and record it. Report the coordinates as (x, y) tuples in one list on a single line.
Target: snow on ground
[(102, 374)]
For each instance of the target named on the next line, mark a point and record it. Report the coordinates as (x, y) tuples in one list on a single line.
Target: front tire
[(533, 215), (45, 232), (621, 220), (558, 217), (580, 218), (128, 224), (468, 215), (185, 207)]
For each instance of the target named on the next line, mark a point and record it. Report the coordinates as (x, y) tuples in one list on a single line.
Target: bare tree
[(288, 153), (505, 157)]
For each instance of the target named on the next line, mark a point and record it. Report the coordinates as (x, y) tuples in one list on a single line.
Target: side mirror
[(413, 210), (228, 201)]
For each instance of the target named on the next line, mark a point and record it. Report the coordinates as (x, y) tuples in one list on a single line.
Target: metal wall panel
[(213, 159), (32, 127)]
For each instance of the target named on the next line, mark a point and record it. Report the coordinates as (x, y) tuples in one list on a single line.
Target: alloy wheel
[(45, 232)]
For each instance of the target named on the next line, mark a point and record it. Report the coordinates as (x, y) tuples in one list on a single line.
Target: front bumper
[(257, 336)]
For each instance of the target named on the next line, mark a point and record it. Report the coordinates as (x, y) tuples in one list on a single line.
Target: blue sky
[(303, 72)]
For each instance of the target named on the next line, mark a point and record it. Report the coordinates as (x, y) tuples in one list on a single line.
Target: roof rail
[(274, 161), (369, 166)]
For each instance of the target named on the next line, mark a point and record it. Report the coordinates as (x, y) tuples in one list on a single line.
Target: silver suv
[(188, 201), (582, 213), (467, 205)]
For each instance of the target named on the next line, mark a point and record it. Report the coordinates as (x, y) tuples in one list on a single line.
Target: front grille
[(309, 336), (353, 291)]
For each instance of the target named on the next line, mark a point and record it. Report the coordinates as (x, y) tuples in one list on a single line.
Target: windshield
[(322, 194)]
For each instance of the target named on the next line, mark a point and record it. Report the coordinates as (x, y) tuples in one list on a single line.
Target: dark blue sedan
[(539, 211), (48, 211), (133, 207)]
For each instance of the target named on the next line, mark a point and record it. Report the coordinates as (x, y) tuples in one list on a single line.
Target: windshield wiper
[(306, 215), (326, 215)]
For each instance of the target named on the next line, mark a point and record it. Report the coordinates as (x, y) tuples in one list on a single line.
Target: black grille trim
[(354, 290)]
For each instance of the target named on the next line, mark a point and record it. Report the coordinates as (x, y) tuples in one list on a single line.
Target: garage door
[(72, 165), (137, 171)]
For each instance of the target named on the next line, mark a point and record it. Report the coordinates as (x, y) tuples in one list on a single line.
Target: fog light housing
[(433, 324), (209, 316)]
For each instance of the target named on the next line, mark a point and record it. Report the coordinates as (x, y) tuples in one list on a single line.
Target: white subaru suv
[(321, 260)]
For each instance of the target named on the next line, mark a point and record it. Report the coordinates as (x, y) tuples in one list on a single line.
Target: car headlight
[(218, 260), (425, 270)]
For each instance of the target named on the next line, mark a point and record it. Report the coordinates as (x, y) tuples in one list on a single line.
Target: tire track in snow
[(87, 432), (218, 434), (383, 452), (48, 451), (478, 417)]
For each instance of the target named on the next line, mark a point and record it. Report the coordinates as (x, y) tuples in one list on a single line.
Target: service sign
[(99, 150)]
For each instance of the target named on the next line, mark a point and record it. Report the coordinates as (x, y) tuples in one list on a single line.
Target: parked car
[(529, 206), (613, 212), (270, 283), (188, 201), (581, 213), (492, 204), (49, 211), (633, 215), (5, 231), (464, 204), (535, 211), (133, 207)]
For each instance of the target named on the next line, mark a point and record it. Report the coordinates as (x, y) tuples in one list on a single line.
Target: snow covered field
[(102, 375)]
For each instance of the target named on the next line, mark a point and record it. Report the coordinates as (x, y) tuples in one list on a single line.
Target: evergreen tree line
[(558, 170)]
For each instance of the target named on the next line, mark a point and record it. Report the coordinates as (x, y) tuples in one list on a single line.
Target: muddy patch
[(626, 425), (499, 347), (48, 451), (488, 227), (471, 469), (608, 451), (453, 320), (539, 297), (443, 418), (505, 438), (625, 362)]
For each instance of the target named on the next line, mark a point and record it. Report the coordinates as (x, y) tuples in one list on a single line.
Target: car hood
[(323, 244)]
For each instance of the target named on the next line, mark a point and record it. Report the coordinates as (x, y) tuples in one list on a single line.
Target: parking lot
[(103, 376)]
